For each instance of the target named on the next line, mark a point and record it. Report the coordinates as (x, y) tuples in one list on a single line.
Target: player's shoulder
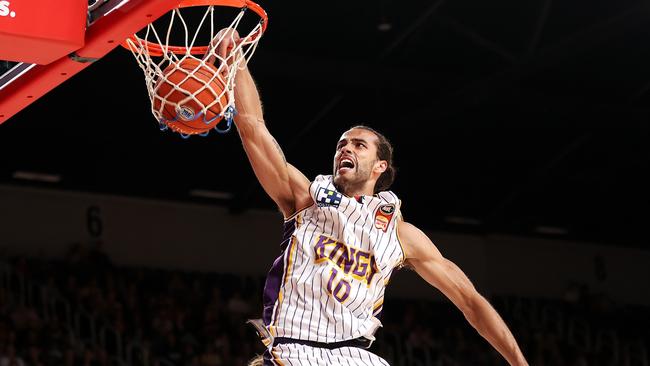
[(323, 178), (321, 181), (389, 197), (410, 237)]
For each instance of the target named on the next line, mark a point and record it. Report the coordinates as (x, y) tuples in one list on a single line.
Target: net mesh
[(192, 87)]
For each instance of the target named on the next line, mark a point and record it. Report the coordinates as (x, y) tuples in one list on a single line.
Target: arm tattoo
[(277, 146)]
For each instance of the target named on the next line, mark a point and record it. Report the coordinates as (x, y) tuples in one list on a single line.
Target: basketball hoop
[(191, 86)]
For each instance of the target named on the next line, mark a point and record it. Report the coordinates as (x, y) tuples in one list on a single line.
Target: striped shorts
[(291, 354)]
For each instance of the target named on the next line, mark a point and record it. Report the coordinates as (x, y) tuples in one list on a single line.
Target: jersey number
[(339, 288)]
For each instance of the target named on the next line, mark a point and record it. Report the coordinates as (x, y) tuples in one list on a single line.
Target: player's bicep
[(443, 274)]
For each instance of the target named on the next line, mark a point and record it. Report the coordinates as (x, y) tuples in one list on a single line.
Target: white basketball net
[(156, 66)]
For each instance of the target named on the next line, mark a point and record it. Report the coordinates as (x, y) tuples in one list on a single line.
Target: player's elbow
[(471, 305)]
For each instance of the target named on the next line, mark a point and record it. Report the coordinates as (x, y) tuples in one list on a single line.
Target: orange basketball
[(181, 108)]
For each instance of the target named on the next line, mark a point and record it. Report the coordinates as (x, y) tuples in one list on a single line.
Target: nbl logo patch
[(383, 216), (327, 197)]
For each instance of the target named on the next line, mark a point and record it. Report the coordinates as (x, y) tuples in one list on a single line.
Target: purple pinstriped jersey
[(337, 257)]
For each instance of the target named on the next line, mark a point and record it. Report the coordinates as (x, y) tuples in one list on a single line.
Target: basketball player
[(343, 237)]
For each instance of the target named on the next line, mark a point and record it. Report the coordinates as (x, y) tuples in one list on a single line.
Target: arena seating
[(83, 310)]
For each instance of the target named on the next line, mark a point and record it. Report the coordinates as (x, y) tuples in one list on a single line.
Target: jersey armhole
[(399, 218)]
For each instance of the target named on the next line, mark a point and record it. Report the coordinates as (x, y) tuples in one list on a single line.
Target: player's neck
[(366, 189)]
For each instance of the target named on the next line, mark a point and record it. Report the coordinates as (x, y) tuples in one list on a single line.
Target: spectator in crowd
[(174, 319)]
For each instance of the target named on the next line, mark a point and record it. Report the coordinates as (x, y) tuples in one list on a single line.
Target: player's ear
[(381, 166)]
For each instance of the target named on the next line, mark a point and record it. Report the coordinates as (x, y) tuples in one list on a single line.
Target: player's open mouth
[(345, 165)]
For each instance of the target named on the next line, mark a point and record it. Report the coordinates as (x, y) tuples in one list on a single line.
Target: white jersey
[(338, 255), (292, 354)]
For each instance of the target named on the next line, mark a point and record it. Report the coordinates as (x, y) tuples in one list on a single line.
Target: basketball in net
[(190, 97), (191, 86)]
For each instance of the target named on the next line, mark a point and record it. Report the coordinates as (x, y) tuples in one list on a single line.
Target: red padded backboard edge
[(102, 37)]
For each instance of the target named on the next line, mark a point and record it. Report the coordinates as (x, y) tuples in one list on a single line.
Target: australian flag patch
[(327, 197)]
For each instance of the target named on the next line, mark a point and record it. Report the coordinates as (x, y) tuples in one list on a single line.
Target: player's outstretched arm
[(443, 274), (287, 186)]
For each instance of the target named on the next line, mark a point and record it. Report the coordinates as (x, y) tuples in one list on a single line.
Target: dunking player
[(343, 237)]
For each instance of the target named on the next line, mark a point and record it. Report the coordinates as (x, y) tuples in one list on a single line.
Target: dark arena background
[(521, 139)]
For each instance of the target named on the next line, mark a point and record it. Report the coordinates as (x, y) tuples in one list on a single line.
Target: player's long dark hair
[(384, 152)]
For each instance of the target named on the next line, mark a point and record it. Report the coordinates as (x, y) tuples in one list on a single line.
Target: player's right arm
[(285, 184), (441, 273)]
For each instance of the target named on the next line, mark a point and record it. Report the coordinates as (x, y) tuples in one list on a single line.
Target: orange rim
[(155, 49)]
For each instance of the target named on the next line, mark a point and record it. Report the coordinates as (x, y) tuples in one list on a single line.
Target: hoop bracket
[(75, 57)]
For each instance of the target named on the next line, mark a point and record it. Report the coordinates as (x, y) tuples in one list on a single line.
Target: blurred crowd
[(83, 310)]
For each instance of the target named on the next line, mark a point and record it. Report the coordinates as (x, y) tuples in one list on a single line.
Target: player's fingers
[(209, 58), (210, 55), (229, 38), (221, 47)]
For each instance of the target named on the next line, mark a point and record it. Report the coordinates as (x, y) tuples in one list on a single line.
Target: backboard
[(107, 23)]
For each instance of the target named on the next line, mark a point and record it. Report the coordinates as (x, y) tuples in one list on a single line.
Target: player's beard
[(351, 182)]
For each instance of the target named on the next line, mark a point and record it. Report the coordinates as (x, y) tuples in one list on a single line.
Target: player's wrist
[(248, 122), (520, 360), (251, 118)]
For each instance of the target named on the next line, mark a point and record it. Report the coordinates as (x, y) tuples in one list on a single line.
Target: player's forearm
[(249, 120), (489, 324), (247, 100)]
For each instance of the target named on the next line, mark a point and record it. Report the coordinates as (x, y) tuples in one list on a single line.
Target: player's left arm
[(443, 274)]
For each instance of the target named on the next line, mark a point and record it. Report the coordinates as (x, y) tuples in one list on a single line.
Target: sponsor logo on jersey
[(388, 209), (383, 216), (381, 223), (5, 10), (327, 197)]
